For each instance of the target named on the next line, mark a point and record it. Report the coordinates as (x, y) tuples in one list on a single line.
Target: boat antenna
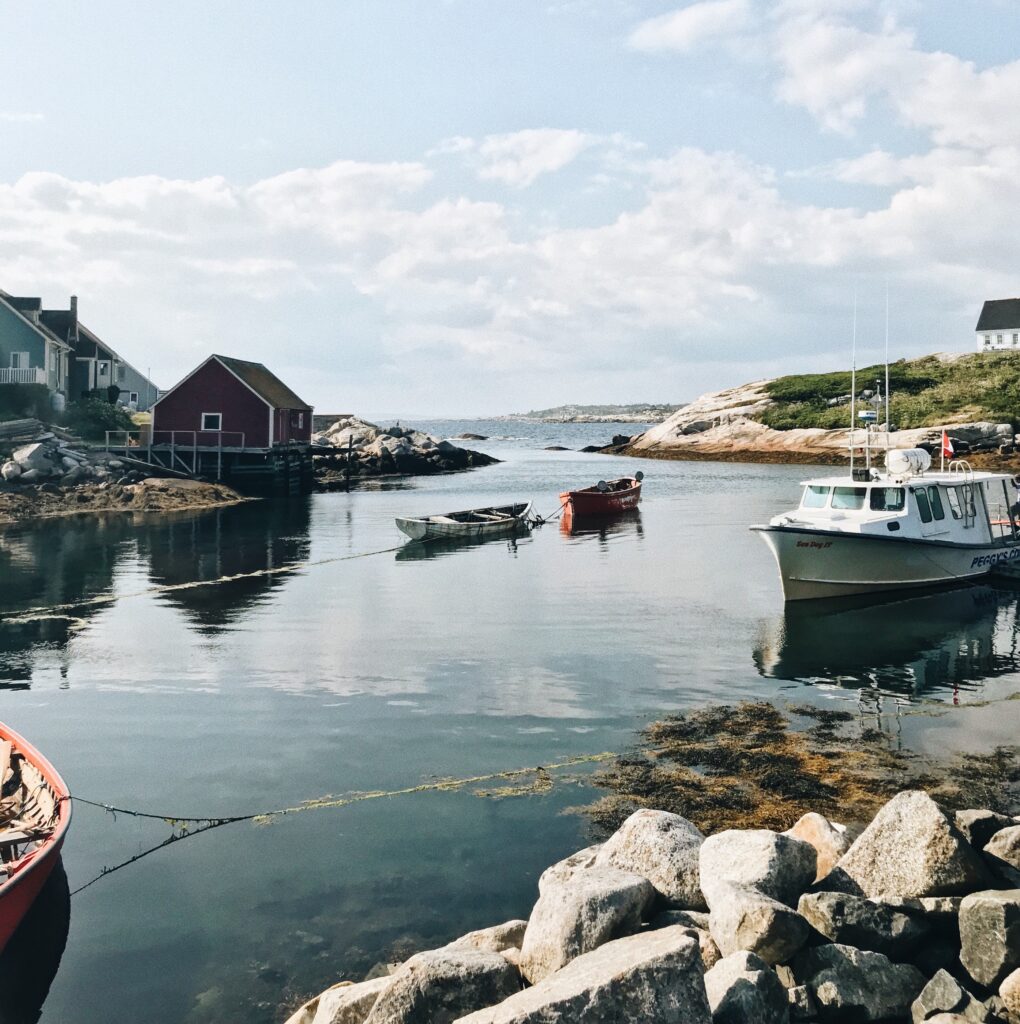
[(887, 364), (853, 384)]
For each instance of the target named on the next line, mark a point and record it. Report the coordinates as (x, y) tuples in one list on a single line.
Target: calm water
[(389, 670)]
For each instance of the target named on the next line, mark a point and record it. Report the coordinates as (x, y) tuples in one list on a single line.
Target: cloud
[(20, 117), (687, 27)]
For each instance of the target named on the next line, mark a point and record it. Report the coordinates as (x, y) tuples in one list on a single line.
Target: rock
[(776, 865), (830, 840), (742, 987), (654, 976), (471, 437), (944, 994), (663, 848), (10, 470), (802, 1003), (684, 918), (697, 427), (620, 439), (569, 866), (32, 456), (855, 921), (555, 448), (857, 985), (990, 935), (492, 940), (1002, 854), (911, 849), (1009, 993), (342, 1004), (744, 919), (73, 476), (440, 986), (30, 476), (979, 825), (580, 913)]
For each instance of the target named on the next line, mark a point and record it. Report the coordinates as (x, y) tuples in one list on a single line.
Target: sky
[(471, 207)]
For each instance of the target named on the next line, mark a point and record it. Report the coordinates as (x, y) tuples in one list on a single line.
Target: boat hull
[(18, 893), (821, 563), (426, 528), (592, 502)]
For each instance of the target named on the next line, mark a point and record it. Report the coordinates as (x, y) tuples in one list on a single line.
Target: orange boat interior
[(29, 811)]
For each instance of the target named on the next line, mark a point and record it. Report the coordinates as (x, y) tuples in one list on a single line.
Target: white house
[(998, 327)]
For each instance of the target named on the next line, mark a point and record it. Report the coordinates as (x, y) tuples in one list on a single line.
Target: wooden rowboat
[(476, 523), (605, 498), (35, 812)]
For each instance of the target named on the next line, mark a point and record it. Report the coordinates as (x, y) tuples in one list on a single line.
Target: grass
[(747, 766), (925, 392)]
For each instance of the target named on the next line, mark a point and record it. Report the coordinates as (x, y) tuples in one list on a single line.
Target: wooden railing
[(22, 375)]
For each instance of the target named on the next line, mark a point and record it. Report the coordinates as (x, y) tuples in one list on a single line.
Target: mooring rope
[(52, 611), (205, 824)]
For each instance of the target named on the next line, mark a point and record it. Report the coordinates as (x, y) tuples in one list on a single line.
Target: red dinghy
[(35, 811), (605, 497)]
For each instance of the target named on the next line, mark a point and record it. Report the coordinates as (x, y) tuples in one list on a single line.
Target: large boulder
[(655, 976), (1009, 993), (990, 935), (1002, 854), (855, 985), (830, 840), (580, 913), (777, 865), (911, 849), (500, 937), (342, 1004), (663, 848), (866, 924), (33, 456), (742, 918), (10, 470), (695, 922), (944, 994), (569, 866), (440, 986), (742, 987), (980, 825)]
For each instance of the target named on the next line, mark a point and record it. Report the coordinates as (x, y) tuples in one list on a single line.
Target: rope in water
[(185, 823), (51, 611)]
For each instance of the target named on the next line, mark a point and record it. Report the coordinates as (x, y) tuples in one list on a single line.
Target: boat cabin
[(960, 506)]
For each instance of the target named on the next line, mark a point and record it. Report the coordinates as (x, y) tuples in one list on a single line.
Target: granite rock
[(866, 924), (742, 987), (777, 865), (990, 935), (744, 919)]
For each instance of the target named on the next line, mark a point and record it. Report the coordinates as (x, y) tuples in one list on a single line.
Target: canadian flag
[(947, 445)]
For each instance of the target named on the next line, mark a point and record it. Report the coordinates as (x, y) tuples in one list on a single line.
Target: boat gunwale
[(1002, 543), (524, 508)]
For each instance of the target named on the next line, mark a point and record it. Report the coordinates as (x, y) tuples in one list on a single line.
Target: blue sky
[(480, 206)]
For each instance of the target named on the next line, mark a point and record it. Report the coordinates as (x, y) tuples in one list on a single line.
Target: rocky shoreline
[(913, 916)]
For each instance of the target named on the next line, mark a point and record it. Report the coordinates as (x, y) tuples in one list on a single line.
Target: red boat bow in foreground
[(35, 812), (605, 497)]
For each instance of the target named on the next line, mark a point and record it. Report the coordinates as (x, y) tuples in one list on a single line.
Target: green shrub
[(91, 418), (25, 401)]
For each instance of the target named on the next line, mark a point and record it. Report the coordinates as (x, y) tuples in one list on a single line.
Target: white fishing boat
[(477, 523), (903, 526)]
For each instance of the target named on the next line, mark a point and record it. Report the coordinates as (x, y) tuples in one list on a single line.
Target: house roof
[(999, 315), (22, 308), (264, 383)]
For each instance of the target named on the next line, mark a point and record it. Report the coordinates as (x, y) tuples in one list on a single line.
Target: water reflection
[(417, 550), (602, 527), (247, 539), (30, 960), (934, 644)]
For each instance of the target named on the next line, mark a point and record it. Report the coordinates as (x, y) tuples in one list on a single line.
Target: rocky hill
[(648, 413), (805, 418)]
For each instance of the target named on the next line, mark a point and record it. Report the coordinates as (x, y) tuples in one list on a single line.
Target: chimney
[(72, 322)]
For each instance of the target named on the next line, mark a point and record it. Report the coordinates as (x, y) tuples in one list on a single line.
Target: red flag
[(947, 446)]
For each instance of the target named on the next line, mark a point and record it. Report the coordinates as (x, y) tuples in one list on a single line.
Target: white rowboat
[(477, 523)]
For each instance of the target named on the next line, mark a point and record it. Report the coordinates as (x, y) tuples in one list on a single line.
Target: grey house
[(52, 347)]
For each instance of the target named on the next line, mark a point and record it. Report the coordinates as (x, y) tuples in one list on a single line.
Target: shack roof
[(264, 383)]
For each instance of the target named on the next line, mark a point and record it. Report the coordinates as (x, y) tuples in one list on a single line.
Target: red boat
[(605, 497), (35, 812)]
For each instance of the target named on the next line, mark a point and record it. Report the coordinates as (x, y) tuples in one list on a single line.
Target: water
[(384, 671)]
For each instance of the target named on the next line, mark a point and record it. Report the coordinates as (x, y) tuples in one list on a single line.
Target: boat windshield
[(815, 496), (888, 499), (848, 497)]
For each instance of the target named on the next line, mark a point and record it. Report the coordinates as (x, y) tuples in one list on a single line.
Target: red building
[(231, 418)]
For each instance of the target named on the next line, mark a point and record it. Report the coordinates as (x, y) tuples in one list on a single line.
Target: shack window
[(935, 500), (887, 499), (212, 421), (300, 419), (922, 506), (848, 497), (815, 497)]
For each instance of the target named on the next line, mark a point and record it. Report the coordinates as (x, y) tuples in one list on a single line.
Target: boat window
[(935, 500), (922, 506), (815, 497), (848, 497), (887, 499), (955, 506)]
